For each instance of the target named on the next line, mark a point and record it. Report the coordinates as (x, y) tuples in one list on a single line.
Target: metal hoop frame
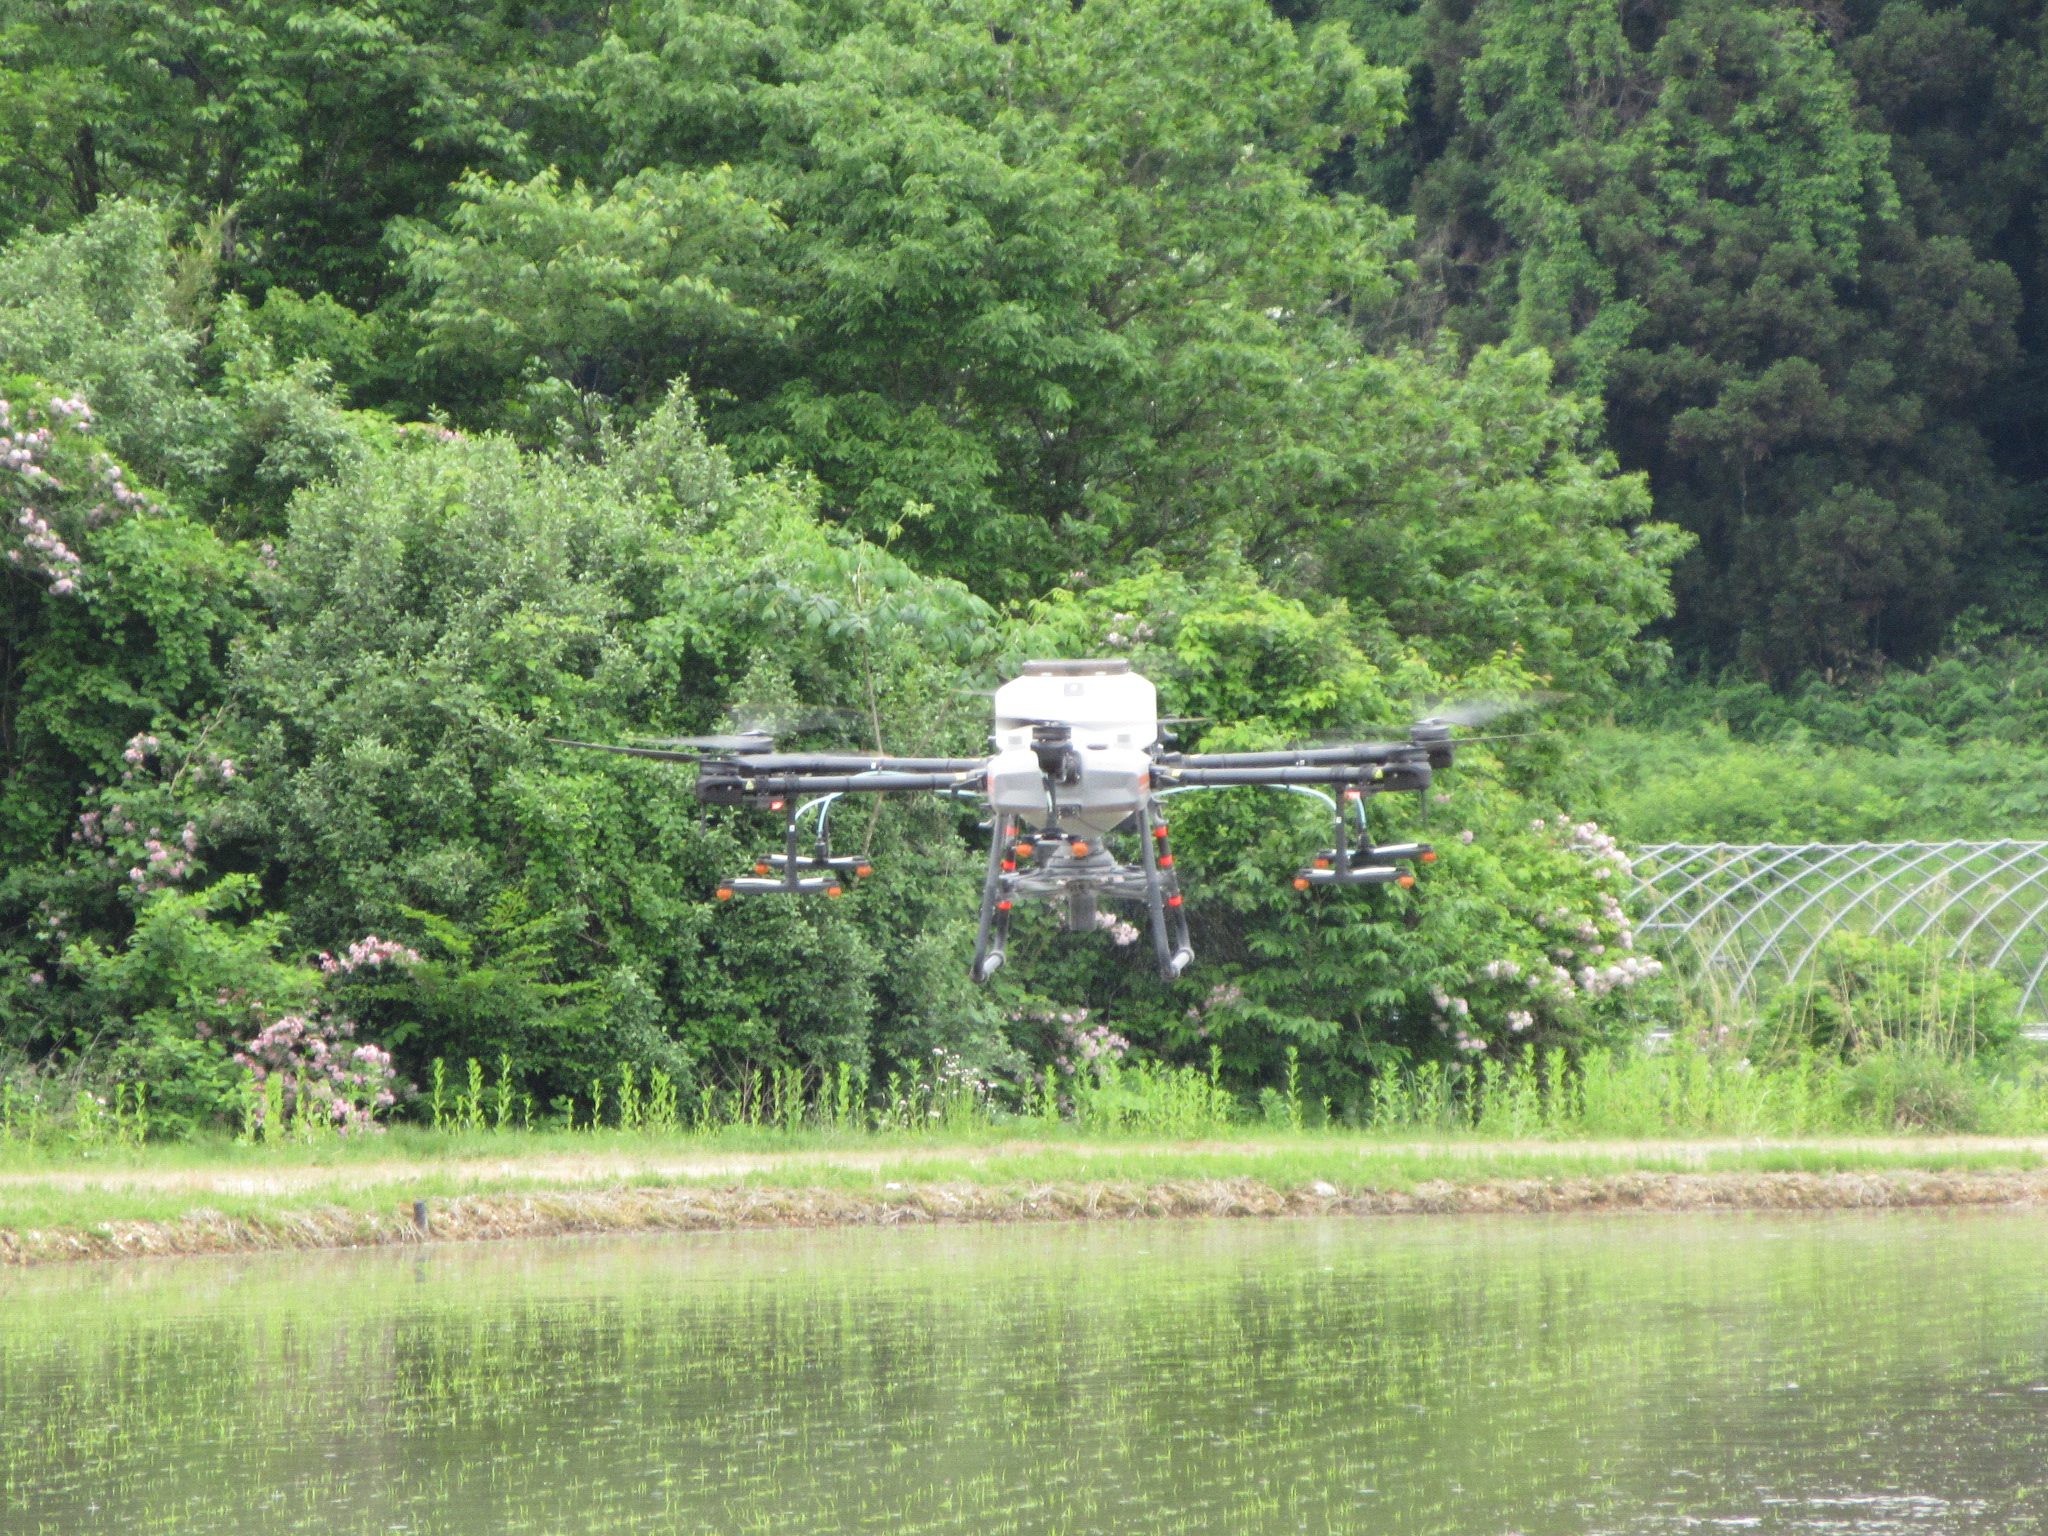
[(1763, 910)]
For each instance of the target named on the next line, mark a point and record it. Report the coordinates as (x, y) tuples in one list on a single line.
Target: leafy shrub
[(1910, 1085), (1862, 995)]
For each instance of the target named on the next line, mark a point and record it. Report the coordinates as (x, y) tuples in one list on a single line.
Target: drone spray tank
[(1073, 745)]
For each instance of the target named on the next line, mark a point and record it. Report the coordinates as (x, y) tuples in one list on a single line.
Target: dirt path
[(570, 1170)]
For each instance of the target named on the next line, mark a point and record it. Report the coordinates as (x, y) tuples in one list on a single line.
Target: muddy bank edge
[(624, 1209)]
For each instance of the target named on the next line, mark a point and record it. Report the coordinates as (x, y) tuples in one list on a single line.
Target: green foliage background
[(489, 376)]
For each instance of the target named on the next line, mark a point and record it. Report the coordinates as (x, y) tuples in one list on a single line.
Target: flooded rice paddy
[(1851, 1373)]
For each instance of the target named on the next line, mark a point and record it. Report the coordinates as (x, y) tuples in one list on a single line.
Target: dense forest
[(390, 388)]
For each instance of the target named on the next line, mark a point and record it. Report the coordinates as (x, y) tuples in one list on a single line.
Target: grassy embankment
[(221, 1196)]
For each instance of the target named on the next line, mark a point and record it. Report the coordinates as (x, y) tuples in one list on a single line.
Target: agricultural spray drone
[(1078, 759)]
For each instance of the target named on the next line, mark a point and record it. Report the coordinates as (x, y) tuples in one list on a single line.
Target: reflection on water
[(1827, 1374)]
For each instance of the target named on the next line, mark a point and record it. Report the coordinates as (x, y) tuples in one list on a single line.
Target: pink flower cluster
[(72, 409), (1096, 1049), (368, 951), (23, 449), (20, 450), (167, 864), (47, 555), (325, 1080)]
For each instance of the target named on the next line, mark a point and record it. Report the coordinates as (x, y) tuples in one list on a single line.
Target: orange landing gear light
[(725, 893), (1405, 881), (1080, 848), (1429, 857), (1022, 850), (1322, 863), (833, 890), (1301, 882), (760, 869)]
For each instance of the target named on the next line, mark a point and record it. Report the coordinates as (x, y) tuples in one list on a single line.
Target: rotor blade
[(1468, 712), (763, 719), (1478, 711), (656, 754), (750, 741)]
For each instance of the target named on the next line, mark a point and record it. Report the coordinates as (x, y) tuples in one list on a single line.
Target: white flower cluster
[(1600, 981), (368, 951), (1120, 932), (1119, 622)]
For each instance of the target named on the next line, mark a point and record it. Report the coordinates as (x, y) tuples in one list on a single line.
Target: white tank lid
[(1108, 667)]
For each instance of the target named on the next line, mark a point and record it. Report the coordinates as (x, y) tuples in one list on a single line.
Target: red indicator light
[(1009, 865), (1002, 906), (1160, 830), (1166, 861), (774, 805), (1173, 900)]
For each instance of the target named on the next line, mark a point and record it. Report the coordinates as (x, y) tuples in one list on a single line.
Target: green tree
[(1689, 208), (310, 124), (443, 609)]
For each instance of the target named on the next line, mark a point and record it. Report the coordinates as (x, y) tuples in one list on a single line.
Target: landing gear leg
[(1162, 896), (992, 937)]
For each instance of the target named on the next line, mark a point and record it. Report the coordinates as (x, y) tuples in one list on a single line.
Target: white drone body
[(1077, 777)]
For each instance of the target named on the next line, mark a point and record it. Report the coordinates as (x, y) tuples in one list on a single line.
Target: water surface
[(1860, 1374)]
